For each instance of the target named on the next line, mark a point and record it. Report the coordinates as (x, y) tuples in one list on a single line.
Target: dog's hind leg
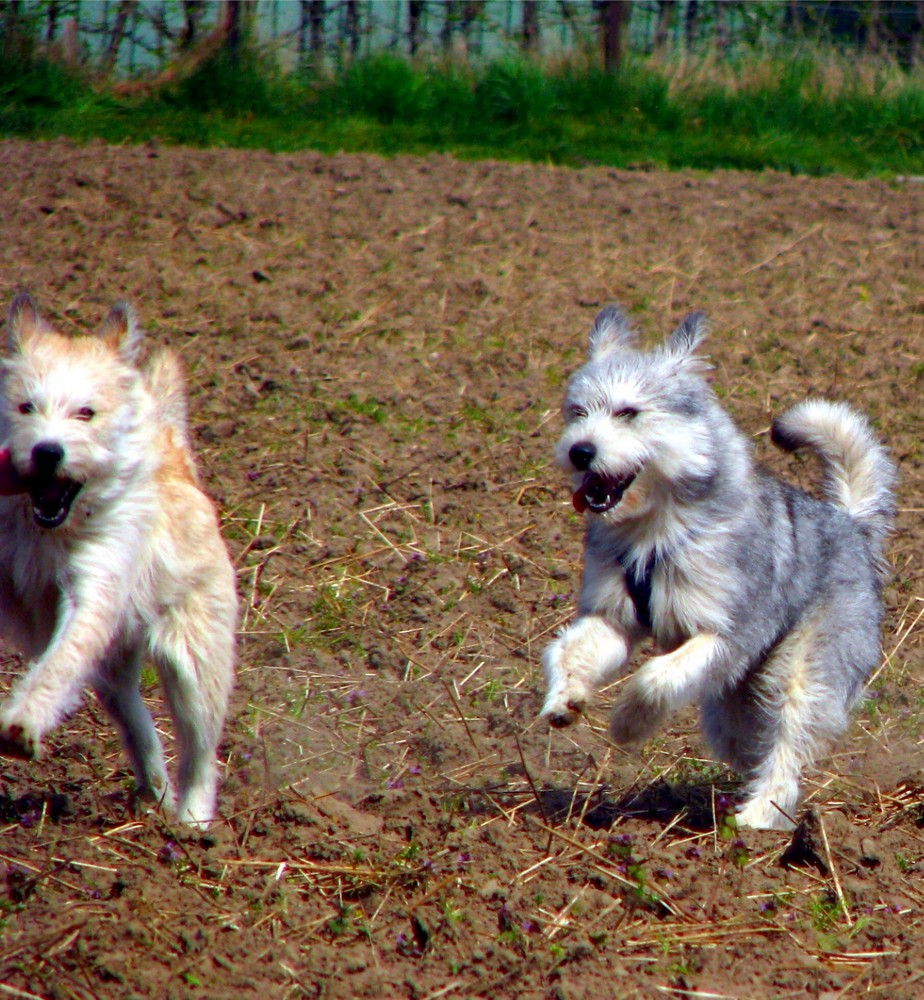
[(194, 651), (587, 654), (117, 686), (797, 714)]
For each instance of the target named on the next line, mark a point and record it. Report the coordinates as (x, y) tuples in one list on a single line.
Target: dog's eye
[(26, 408), (576, 412), (85, 413), (626, 413)]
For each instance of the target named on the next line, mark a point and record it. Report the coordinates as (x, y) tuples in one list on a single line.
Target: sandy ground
[(376, 351)]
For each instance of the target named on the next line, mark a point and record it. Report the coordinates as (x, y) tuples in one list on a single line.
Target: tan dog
[(111, 552)]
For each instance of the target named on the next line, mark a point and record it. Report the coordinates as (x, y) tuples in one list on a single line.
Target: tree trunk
[(873, 26), (721, 29), (690, 24), (233, 16), (666, 10), (111, 54), (192, 15), (227, 34), (14, 37), (51, 21), (415, 12), (449, 23), (352, 28), (530, 27), (471, 12), (316, 14), (614, 24), (914, 50)]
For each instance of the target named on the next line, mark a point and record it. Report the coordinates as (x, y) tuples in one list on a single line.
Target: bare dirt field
[(376, 351)]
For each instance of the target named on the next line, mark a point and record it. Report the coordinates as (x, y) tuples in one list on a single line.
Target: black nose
[(582, 454), (46, 457)]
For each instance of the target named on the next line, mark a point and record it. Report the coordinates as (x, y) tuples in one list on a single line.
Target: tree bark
[(226, 34), (111, 53), (415, 12), (352, 27), (614, 24), (233, 11), (721, 29), (51, 21), (690, 23), (530, 26), (914, 50), (666, 10), (192, 15), (471, 12)]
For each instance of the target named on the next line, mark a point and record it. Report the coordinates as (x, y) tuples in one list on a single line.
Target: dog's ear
[(122, 332), (22, 318), (682, 343), (611, 331)]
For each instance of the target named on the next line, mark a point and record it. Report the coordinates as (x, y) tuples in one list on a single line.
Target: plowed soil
[(376, 351)]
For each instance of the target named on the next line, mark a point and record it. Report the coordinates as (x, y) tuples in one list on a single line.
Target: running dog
[(110, 552), (763, 601)]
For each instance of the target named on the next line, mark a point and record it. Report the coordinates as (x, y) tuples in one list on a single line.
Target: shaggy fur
[(112, 553), (764, 600)]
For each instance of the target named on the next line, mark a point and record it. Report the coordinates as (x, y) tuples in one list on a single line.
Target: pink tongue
[(580, 501)]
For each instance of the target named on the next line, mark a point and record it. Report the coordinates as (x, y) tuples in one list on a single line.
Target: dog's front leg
[(587, 654), (663, 684), (88, 616)]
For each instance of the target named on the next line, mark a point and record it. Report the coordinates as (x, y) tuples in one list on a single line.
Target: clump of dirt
[(376, 351)]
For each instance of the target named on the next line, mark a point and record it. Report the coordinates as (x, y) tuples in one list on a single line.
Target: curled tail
[(858, 474), (164, 379)]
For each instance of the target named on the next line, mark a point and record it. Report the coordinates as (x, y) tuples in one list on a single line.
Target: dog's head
[(68, 407), (635, 421)]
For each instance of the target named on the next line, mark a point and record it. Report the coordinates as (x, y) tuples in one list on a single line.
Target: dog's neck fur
[(674, 523)]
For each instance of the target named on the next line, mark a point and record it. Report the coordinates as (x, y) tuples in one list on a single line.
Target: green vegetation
[(812, 112)]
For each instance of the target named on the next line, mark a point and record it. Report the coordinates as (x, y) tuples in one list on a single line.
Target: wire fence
[(127, 37)]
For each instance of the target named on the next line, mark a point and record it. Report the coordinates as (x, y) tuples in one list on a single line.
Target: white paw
[(563, 709), (567, 695), (197, 808), (762, 814), (587, 654), (633, 720)]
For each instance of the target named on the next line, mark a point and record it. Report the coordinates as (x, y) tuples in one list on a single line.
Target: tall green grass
[(811, 111)]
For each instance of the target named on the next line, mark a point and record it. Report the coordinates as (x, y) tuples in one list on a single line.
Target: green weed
[(811, 112)]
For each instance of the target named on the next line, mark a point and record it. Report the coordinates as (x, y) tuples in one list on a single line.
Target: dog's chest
[(661, 603), (32, 560)]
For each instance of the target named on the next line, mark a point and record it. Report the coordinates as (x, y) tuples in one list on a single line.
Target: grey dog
[(764, 601)]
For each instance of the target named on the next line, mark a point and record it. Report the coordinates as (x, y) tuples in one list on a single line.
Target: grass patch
[(811, 112)]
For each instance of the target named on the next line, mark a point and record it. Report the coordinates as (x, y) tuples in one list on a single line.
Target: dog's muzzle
[(51, 494), (597, 492), (600, 493)]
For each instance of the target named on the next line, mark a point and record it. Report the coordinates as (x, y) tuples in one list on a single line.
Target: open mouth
[(600, 493), (52, 499)]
